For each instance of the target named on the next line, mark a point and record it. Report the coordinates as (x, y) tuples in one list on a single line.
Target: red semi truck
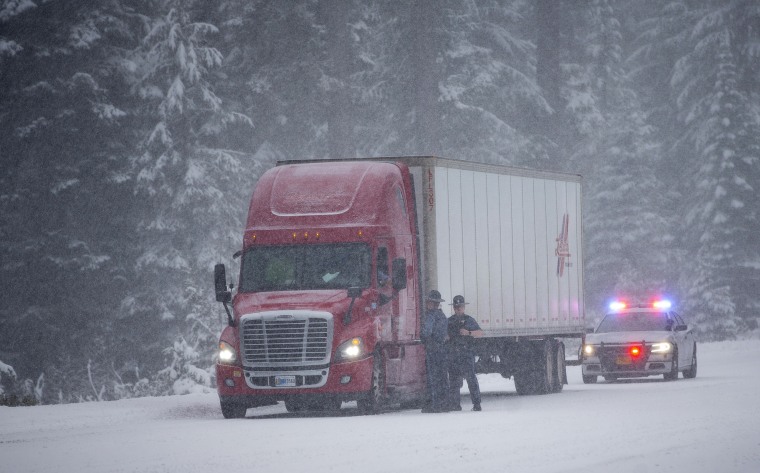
[(337, 258)]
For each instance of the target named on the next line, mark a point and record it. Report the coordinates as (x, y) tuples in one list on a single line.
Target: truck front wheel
[(373, 400), (232, 409)]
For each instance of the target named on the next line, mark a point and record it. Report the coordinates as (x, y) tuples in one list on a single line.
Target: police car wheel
[(673, 375), (559, 375), (692, 371), (590, 379)]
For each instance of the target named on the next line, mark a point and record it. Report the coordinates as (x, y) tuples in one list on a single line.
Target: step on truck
[(336, 259)]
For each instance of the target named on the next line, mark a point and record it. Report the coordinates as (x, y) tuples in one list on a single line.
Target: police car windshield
[(634, 322)]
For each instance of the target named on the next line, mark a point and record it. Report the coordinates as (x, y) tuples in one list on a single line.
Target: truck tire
[(545, 372), (691, 373), (373, 400), (232, 409), (524, 383), (673, 375), (559, 373), (590, 379), (537, 376)]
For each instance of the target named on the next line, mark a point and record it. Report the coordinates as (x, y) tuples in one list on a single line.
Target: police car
[(637, 341)]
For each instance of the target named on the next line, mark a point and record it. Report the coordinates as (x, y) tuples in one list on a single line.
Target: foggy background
[(132, 134)]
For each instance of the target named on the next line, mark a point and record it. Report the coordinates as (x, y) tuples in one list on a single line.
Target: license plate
[(624, 360), (284, 381)]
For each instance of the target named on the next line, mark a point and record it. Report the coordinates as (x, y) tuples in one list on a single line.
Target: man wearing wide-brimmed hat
[(462, 330), (434, 335)]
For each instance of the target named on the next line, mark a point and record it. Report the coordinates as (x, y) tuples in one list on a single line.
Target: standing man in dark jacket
[(434, 335), (462, 329)]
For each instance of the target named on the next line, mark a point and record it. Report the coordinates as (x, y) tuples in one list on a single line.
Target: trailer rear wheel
[(537, 376), (546, 370)]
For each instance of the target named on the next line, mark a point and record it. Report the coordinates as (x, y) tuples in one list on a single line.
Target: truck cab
[(326, 309)]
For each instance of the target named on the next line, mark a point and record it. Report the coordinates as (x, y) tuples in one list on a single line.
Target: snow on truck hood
[(628, 337), (330, 300)]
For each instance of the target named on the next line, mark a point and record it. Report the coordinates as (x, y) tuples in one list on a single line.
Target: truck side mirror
[(220, 284), (398, 270)]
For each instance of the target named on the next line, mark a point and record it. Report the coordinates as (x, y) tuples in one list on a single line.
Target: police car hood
[(628, 337)]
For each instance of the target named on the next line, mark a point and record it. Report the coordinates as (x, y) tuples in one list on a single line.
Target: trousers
[(437, 379), (462, 367)]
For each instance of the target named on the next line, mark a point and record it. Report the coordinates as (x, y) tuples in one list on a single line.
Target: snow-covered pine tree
[(723, 217), (191, 186), (63, 144), (490, 98), (7, 377), (626, 230)]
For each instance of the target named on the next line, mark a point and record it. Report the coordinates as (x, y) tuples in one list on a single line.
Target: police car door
[(685, 340)]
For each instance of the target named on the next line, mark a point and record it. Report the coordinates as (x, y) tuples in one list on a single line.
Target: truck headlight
[(663, 347), (227, 353), (350, 350), (588, 350)]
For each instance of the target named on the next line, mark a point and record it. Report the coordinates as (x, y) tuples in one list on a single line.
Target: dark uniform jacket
[(434, 331), (461, 345)]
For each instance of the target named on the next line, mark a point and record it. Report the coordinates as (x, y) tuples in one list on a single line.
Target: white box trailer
[(510, 241)]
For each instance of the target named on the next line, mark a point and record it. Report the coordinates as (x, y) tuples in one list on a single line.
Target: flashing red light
[(635, 351)]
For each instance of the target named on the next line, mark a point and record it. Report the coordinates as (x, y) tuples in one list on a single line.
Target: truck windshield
[(304, 267), (635, 322)]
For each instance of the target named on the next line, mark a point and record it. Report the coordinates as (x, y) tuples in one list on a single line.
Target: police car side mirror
[(589, 329), (682, 328)]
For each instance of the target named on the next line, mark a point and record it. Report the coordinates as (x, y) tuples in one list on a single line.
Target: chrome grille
[(285, 340)]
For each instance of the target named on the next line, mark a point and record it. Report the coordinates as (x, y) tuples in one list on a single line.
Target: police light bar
[(663, 304), (617, 305)]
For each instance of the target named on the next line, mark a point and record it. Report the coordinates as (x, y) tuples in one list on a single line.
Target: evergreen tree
[(190, 184), (723, 212), (719, 129), (63, 145), (489, 86), (626, 230)]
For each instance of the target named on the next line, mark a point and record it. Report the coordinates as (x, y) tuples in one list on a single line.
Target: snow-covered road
[(708, 424)]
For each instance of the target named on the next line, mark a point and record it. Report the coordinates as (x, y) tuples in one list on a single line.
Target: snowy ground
[(708, 424)]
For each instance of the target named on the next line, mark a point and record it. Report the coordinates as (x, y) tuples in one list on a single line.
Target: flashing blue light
[(617, 305)]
